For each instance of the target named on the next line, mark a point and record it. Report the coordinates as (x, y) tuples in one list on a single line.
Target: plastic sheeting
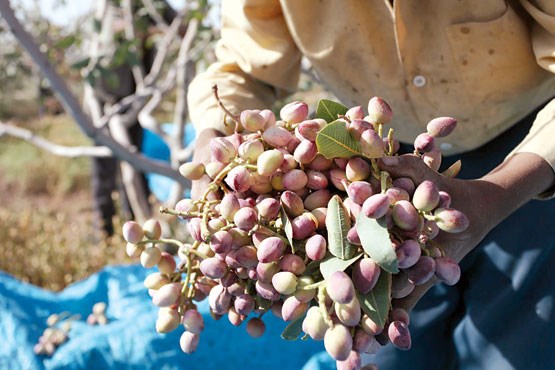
[(154, 147), (129, 340)]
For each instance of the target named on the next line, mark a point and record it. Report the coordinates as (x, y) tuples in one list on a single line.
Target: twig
[(221, 105), (124, 104), (60, 150), (163, 48)]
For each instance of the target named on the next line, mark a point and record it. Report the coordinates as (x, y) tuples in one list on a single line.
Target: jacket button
[(419, 81)]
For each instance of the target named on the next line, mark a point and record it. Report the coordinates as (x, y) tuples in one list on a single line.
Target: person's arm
[(528, 172), (257, 63), (540, 138)]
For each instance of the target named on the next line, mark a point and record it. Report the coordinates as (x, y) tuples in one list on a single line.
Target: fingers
[(408, 165)]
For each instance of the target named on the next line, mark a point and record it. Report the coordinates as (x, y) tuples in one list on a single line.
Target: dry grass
[(46, 216)]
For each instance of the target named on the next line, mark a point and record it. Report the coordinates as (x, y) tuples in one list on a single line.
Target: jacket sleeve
[(257, 63), (540, 140)]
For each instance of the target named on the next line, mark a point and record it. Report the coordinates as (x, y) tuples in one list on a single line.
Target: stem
[(196, 253), (251, 167), (224, 172), (429, 216), (227, 227), (214, 186), (375, 169), (390, 141), (191, 292), (227, 112), (342, 116), (313, 286), (204, 231), (174, 212), (177, 243), (383, 178), (185, 288)]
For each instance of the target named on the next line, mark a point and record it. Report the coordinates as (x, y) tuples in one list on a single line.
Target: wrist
[(520, 178)]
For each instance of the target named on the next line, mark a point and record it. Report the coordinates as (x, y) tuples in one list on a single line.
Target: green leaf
[(97, 25), (82, 63), (376, 303), (288, 228), (65, 42), (376, 242), (311, 268), (92, 77), (132, 58), (108, 76), (334, 141), (293, 330), (329, 110), (338, 224), (332, 264)]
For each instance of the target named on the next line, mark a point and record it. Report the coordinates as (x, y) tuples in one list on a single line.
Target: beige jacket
[(487, 63)]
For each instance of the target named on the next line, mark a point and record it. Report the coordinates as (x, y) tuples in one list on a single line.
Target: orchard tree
[(159, 46)]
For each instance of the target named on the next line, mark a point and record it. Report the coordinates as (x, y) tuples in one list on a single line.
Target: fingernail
[(390, 161)]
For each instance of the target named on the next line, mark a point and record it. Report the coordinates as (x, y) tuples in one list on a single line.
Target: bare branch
[(131, 35), (135, 191), (71, 104), (153, 13), (146, 118), (91, 104), (123, 105), (134, 188), (164, 47), (60, 150), (182, 85)]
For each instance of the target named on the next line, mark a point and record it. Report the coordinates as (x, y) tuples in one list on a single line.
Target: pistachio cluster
[(299, 220)]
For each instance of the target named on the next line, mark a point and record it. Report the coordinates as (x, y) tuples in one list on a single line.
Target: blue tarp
[(155, 148), (130, 341)]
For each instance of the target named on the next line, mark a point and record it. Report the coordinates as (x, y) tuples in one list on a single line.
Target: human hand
[(455, 245), (486, 201)]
